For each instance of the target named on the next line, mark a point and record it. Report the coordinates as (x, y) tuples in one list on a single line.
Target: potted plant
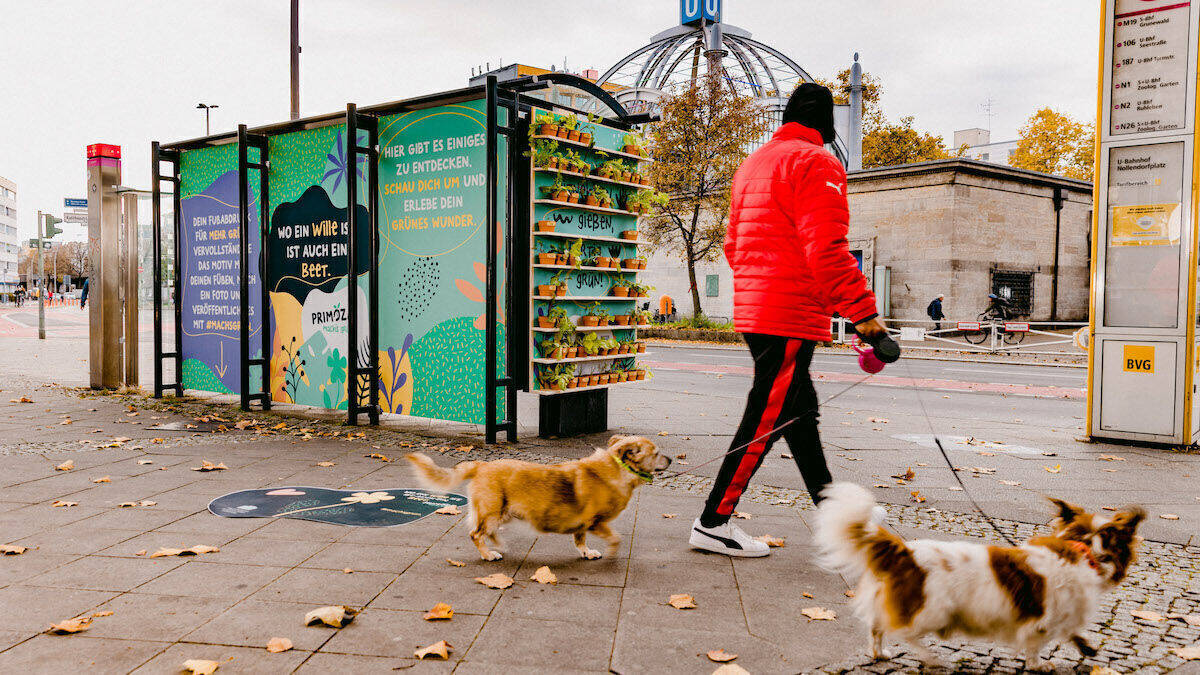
[(574, 382), (545, 124), (597, 258), (570, 124), (590, 344), (590, 196), (620, 289), (604, 316), (626, 173), (585, 130), (639, 290), (639, 347), (604, 378), (590, 318), (573, 346), (573, 194), (620, 320), (606, 200), (641, 317), (622, 375), (593, 380), (629, 235), (549, 255), (573, 253), (628, 263), (557, 377), (634, 144), (552, 349), (641, 261), (611, 346), (559, 282), (556, 317)]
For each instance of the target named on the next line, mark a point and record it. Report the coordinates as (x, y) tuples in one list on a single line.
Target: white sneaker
[(728, 539)]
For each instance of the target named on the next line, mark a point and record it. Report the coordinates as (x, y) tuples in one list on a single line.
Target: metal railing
[(978, 336)]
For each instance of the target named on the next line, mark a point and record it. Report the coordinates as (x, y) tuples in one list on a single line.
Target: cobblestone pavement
[(603, 616)]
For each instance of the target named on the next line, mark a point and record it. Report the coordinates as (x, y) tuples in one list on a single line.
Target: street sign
[(50, 230), (75, 217), (75, 202), (1016, 326), (968, 325)]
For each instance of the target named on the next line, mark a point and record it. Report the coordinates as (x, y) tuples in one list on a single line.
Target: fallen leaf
[(102, 479), (954, 488), (66, 466), (1191, 619), (1188, 653), (773, 542), (1010, 482), (449, 510), (916, 496), (663, 433), (195, 550), (807, 594), (333, 615), (278, 644), (543, 575), (497, 580), (141, 552), (1102, 670), (378, 456), (440, 649), (1168, 516), (455, 563), (147, 502), (742, 515), (1111, 458), (12, 549), (281, 425), (76, 625), (60, 502), (848, 593), (669, 515), (465, 448), (145, 461), (1147, 615), (682, 601), (907, 475), (200, 666), (440, 611), (720, 656), (206, 465), (1053, 469), (682, 455), (325, 464), (819, 613), (65, 422), (347, 570), (107, 612)]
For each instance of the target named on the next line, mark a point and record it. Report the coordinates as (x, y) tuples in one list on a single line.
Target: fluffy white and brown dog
[(1028, 596)]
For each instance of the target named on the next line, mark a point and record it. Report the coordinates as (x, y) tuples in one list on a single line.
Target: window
[(712, 285), (1016, 288), (985, 156)]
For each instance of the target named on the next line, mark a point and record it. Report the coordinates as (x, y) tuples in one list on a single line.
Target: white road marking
[(1013, 372)]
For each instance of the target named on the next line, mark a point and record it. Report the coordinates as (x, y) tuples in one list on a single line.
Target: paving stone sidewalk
[(602, 616)]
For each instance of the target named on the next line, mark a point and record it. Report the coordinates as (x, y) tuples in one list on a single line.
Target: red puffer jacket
[(786, 242)]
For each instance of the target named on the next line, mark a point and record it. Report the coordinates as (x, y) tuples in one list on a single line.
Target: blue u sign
[(692, 12)]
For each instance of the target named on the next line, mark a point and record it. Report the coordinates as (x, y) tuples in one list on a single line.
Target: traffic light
[(49, 230)]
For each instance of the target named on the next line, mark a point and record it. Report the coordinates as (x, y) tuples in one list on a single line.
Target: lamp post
[(294, 59), (206, 107)]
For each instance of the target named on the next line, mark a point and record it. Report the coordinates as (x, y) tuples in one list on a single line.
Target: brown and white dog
[(570, 498), (1028, 596)]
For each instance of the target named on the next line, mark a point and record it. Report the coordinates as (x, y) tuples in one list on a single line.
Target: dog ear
[(612, 442), (1129, 518), (624, 446), (1067, 512)]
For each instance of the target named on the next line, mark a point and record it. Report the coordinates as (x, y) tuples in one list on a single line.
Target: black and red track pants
[(782, 391)]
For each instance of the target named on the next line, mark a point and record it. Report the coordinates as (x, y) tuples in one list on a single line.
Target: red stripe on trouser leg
[(764, 432)]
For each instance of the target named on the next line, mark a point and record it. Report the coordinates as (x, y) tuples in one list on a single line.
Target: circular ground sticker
[(359, 508)]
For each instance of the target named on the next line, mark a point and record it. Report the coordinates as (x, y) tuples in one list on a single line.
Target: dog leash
[(953, 471)]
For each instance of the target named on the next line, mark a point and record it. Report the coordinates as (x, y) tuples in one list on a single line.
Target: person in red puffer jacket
[(792, 269)]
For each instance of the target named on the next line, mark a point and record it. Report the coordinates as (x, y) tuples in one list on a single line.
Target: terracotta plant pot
[(632, 150), (603, 322), (621, 320), (573, 353), (572, 260), (629, 235), (560, 291), (620, 291), (629, 263), (593, 380), (547, 258), (627, 176), (545, 321), (641, 348), (562, 132), (641, 374), (552, 163), (573, 135), (574, 199), (585, 138), (574, 383), (622, 376), (560, 195), (592, 201), (644, 321), (545, 290), (641, 264), (589, 321), (548, 130), (544, 226), (557, 354), (604, 379), (602, 261)]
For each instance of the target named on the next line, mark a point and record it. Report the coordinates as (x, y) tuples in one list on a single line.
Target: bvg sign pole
[(1142, 361)]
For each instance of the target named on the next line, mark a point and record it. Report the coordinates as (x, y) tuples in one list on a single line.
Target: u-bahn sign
[(693, 12)]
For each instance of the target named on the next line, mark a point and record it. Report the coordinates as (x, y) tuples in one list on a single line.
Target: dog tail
[(433, 477), (849, 531)]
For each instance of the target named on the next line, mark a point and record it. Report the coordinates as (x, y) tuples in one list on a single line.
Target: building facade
[(956, 227), (977, 145), (10, 249)]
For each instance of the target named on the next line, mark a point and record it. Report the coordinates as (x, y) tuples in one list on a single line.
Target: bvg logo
[(1139, 358), (691, 12)]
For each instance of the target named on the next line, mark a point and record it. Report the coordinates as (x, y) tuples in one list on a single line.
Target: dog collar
[(1084, 550), (646, 476)]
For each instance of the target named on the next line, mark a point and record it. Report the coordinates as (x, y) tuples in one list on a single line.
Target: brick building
[(960, 227)]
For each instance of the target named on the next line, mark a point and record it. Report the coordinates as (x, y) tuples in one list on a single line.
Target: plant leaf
[(772, 541), (1168, 516), (720, 656), (439, 611), (66, 466), (440, 649), (497, 580), (682, 601), (201, 666), (206, 465), (731, 669), (102, 479), (449, 510), (1188, 653), (333, 615), (61, 502), (916, 496), (278, 644), (325, 464), (76, 625), (819, 613), (456, 563), (543, 575), (12, 549), (1053, 469), (1147, 615)]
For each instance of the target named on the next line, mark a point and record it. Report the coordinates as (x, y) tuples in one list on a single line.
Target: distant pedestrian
[(935, 311), (792, 268), (83, 295)]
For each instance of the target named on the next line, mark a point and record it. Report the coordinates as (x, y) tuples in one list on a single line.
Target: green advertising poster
[(308, 263), (432, 248), (210, 303)]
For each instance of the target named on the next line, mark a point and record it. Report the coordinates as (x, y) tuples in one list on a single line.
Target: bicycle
[(987, 323)]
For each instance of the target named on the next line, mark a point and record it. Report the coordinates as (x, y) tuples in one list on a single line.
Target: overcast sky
[(79, 71)]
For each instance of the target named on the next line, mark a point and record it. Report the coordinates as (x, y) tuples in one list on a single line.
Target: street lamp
[(206, 107)]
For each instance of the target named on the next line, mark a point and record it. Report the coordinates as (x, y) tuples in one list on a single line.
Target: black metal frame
[(354, 121), (246, 141), (157, 156)]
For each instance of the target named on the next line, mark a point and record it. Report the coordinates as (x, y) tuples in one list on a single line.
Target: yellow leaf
[(376, 455), (848, 593), (347, 570), (145, 461), (543, 575), (200, 666), (465, 448), (496, 580), (663, 433), (281, 425), (325, 464), (76, 625), (1168, 516), (819, 613), (455, 563), (60, 502), (907, 475), (439, 611), (195, 550), (102, 479), (141, 552), (720, 656), (206, 465), (1188, 653), (682, 601), (107, 612), (66, 466), (1102, 670), (773, 542), (669, 515), (12, 549), (1147, 615), (1111, 458), (440, 649), (1010, 482), (333, 615), (278, 644), (731, 669), (449, 510), (740, 514), (65, 422), (807, 594), (1053, 469), (916, 496)]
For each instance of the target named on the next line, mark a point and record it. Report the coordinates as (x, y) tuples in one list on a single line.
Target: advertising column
[(1143, 278)]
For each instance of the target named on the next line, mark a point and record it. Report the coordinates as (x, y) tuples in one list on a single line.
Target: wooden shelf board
[(552, 392)]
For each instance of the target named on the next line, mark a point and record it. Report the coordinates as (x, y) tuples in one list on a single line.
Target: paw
[(591, 554), (492, 555), (882, 655)]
